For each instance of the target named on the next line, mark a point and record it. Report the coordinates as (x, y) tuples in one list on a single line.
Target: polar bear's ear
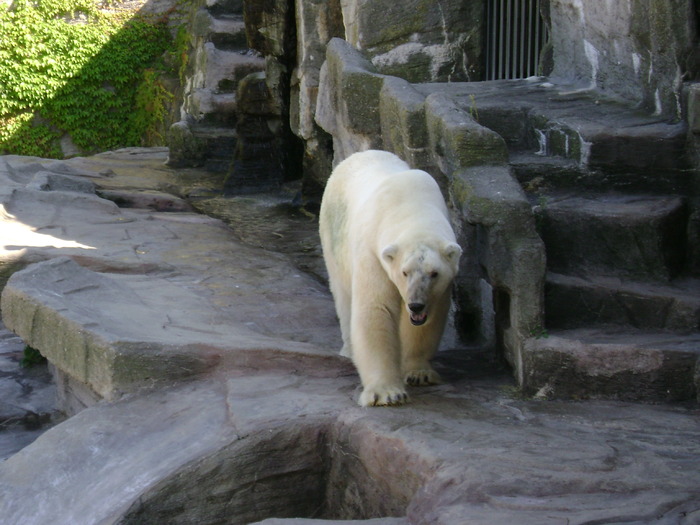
[(390, 252), (452, 252)]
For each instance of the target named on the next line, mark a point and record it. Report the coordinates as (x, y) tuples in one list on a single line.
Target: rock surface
[(615, 47), (267, 427), (27, 397), (171, 298)]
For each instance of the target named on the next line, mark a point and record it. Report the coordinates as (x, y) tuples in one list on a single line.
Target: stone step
[(217, 146), (133, 328), (225, 68), (537, 115), (573, 302), (613, 362), (218, 109), (225, 7), (227, 32), (586, 136), (541, 174), (613, 234)]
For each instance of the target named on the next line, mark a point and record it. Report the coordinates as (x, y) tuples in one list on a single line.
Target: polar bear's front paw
[(422, 377), (383, 395)]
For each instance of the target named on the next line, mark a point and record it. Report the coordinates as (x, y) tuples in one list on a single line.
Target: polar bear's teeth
[(418, 319)]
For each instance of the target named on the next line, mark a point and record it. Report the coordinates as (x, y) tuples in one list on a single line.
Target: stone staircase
[(610, 189), (220, 59), (616, 287)]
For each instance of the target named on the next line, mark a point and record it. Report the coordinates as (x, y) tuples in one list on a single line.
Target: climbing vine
[(150, 109), (70, 69)]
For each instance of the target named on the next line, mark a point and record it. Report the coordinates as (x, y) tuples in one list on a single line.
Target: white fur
[(388, 243)]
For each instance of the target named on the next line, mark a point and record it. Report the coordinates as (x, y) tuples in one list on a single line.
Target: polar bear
[(391, 257)]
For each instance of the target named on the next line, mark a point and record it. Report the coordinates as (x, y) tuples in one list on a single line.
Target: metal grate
[(515, 35)]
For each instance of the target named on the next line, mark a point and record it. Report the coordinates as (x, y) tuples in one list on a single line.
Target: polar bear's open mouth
[(418, 319)]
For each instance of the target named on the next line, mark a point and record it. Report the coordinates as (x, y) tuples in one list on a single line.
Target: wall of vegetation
[(69, 69)]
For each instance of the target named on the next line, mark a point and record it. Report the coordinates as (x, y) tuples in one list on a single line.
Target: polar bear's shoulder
[(369, 161), (375, 156), (376, 184)]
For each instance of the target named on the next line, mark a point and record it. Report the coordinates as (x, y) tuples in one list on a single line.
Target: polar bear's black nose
[(416, 308)]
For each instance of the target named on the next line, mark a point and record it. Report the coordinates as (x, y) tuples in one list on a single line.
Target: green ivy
[(151, 109), (67, 67), (180, 54)]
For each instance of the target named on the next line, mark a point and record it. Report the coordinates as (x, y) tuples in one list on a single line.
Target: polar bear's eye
[(405, 273), (433, 275)]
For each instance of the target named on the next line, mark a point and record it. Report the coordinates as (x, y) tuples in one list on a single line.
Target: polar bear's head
[(422, 273)]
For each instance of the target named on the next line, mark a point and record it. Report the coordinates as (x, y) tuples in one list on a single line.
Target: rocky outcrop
[(290, 449), (139, 255), (418, 40), (431, 44), (635, 51), (317, 22), (202, 370)]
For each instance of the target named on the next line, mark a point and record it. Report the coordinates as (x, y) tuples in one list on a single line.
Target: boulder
[(502, 280), (348, 101), (633, 50)]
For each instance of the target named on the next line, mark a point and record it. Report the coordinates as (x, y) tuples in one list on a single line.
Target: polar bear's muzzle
[(417, 313)]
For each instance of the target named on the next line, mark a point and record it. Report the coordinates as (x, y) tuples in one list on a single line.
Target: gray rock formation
[(27, 396), (636, 51), (106, 238)]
